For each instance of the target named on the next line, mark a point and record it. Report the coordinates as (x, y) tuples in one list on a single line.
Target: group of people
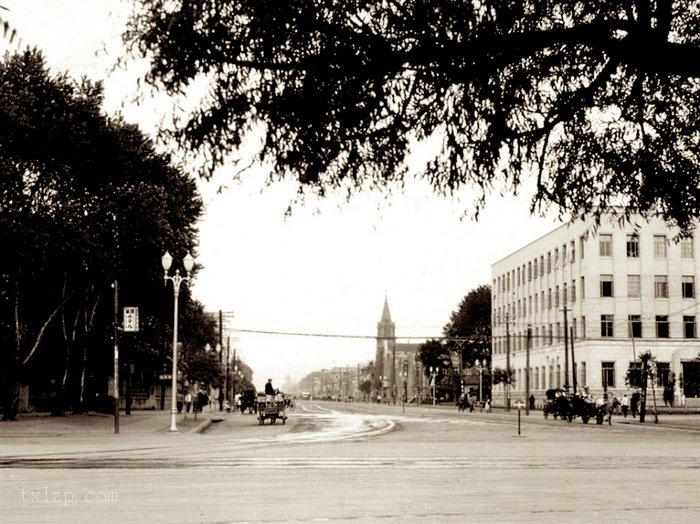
[(468, 401), (190, 403), (630, 404)]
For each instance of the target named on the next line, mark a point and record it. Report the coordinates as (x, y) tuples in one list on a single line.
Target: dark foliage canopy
[(84, 201), (598, 100), (469, 328)]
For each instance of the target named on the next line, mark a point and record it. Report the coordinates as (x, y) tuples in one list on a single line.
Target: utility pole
[(115, 285), (393, 373), (573, 360), (527, 370), (228, 355), (507, 384), (566, 349), (221, 356)]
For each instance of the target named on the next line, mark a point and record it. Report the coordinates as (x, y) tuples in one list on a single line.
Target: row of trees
[(85, 200)]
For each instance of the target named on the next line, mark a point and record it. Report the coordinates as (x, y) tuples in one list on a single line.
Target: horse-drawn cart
[(559, 404), (271, 409)]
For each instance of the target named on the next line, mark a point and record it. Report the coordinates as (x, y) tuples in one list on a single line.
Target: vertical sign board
[(131, 319)]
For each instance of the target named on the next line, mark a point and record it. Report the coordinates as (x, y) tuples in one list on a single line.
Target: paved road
[(358, 463)]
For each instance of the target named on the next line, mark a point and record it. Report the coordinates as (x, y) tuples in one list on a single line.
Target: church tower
[(386, 339)]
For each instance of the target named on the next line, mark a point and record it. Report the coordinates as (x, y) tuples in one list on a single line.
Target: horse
[(606, 407)]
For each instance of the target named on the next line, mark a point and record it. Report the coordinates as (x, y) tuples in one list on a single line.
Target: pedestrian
[(634, 403), (625, 404), (202, 400), (487, 405), (179, 403), (188, 402), (532, 401)]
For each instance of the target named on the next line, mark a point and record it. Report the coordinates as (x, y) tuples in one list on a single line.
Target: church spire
[(386, 316)]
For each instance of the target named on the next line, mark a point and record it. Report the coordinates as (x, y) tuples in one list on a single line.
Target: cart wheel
[(273, 420)]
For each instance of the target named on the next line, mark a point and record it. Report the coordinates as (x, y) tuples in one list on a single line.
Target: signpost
[(131, 319), (520, 405)]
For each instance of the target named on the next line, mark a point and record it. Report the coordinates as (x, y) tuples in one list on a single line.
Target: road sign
[(131, 319), (519, 404)]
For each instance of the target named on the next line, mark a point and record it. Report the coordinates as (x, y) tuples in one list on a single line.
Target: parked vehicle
[(249, 401)]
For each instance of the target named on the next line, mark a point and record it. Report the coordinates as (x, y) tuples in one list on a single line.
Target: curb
[(200, 427)]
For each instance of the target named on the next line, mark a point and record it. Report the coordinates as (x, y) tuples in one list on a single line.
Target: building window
[(606, 325), (572, 257), (573, 291), (583, 288), (558, 375), (549, 298), (563, 255), (581, 243), (583, 327), (608, 375), (606, 286), (663, 373), (605, 245), (556, 257), (689, 326), (635, 326), (659, 246), (687, 250), (661, 326), (582, 374), (632, 246), (661, 286), (565, 295), (634, 286), (534, 269), (542, 265), (688, 286), (556, 297), (549, 262)]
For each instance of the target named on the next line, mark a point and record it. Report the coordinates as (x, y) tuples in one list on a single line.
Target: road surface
[(334, 462)]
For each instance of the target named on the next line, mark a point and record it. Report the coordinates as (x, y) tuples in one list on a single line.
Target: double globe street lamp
[(433, 378), (188, 263)]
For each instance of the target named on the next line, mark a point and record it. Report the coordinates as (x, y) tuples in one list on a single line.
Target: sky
[(327, 268)]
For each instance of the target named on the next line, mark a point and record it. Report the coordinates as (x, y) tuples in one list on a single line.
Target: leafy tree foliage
[(599, 99), (501, 376), (85, 201), (470, 327)]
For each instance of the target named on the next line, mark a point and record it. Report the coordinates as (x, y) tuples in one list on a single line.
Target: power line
[(334, 335)]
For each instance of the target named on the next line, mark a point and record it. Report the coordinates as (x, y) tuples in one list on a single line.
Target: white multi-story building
[(620, 289)]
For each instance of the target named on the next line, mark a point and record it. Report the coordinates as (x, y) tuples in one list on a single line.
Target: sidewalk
[(99, 424)]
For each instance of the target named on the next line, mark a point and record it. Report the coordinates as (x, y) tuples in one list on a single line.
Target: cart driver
[(269, 389)]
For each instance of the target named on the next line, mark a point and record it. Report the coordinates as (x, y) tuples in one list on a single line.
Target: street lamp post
[(480, 367), (188, 263), (433, 378)]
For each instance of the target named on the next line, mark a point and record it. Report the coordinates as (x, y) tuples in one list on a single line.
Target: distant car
[(305, 395)]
